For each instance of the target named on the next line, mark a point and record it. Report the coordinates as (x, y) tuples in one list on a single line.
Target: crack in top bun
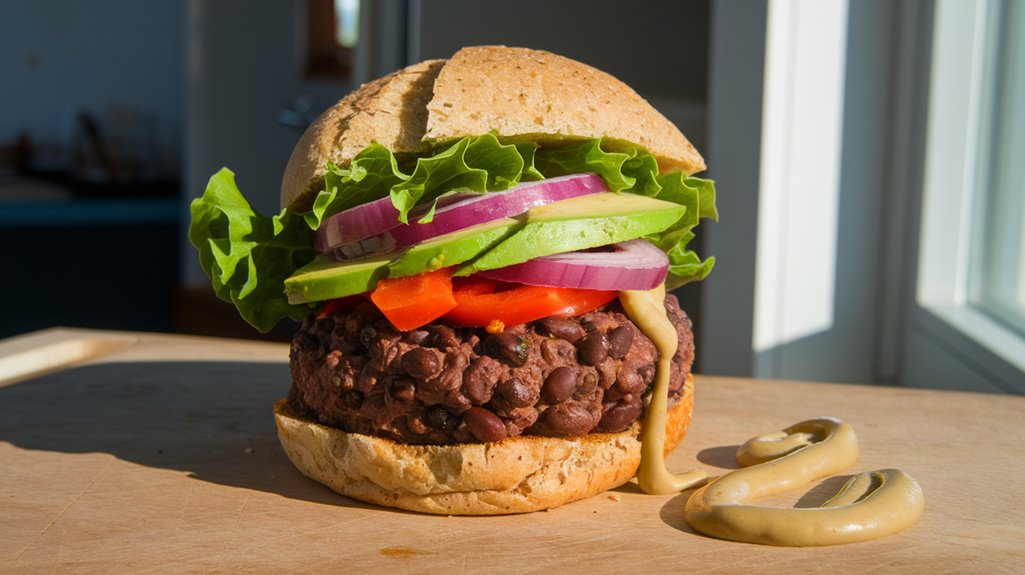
[(517, 94)]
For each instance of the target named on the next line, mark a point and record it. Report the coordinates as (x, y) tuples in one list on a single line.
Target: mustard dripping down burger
[(455, 238)]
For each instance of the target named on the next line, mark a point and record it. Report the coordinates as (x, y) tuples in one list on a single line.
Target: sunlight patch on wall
[(800, 170)]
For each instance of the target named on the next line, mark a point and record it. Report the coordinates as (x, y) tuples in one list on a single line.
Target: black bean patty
[(439, 384)]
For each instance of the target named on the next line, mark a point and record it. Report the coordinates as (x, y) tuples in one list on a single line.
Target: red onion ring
[(492, 206), (634, 265), (346, 234), (368, 220)]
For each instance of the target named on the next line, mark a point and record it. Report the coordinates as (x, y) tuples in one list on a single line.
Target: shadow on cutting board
[(212, 420)]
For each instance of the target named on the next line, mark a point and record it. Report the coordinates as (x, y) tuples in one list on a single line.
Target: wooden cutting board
[(158, 454)]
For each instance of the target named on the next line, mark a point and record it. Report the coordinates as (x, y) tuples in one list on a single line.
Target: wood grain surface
[(142, 453)]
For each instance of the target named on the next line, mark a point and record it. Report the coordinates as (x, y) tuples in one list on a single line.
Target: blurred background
[(867, 157)]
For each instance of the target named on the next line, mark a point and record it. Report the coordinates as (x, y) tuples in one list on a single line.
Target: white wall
[(736, 76), (244, 66), (832, 336)]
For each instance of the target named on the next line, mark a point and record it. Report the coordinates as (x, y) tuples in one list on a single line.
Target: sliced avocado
[(579, 223), (453, 248), (567, 225), (324, 278)]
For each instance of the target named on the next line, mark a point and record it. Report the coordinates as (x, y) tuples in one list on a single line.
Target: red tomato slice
[(476, 306), (474, 285), (413, 301)]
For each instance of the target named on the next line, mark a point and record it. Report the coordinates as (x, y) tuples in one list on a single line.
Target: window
[(997, 281), (971, 272), (924, 272)]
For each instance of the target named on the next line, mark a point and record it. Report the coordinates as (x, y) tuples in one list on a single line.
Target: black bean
[(588, 382), (420, 363), (630, 382), (515, 393), (440, 418), (620, 340), (612, 395), (594, 348), (562, 328), (620, 416), (588, 325), (478, 387), (402, 388), (484, 425), (367, 336), (433, 390), (508, 347), (352, 399), (559, 385), (569, 418), (442, 337), (557, 351), (351, 328)]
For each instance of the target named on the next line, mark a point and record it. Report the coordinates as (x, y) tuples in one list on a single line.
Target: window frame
[(892, 339), (948, 342)]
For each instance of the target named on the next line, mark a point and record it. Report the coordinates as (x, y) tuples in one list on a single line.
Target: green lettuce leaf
[(371, 174), (698, 194), (479, 165), (636, 172), (248, 256)]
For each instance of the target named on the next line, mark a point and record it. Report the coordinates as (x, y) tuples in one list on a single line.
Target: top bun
[(515, 93)]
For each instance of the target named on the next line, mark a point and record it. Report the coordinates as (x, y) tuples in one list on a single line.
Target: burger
[(456, 239)]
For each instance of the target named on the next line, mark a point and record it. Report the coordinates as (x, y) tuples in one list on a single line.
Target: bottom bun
[(516, 475)]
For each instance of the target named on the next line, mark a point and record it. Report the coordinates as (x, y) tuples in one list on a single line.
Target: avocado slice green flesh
[(574, 224), (324, 278), (452, 248), (577, 224)]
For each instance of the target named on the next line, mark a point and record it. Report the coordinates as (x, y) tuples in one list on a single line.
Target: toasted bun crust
[(391, 111), (516, 93), (516, 475), (522, 94)]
